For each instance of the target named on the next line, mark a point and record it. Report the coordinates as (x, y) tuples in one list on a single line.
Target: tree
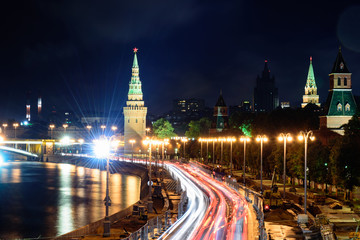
[(163, 129), (198, 128)]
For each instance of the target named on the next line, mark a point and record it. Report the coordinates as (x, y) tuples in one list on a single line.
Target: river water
[(50, 199)]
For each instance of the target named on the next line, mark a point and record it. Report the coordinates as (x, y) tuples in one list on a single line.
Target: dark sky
[(78, 54)]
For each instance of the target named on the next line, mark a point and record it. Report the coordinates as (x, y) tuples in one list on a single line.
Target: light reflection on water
[(50, 199)]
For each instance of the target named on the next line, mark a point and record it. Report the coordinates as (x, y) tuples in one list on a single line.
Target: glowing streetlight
[(102, 149), (5, 125), (201, 141), (244, 140), (285, 137), (114, 128), (103, 128), (51, 126), (261, 139), (213, 141), (147, 131), (184, 140), (65, 126), (15, 125), (88, 127), (132, 141), (304, 136), (149, 142)]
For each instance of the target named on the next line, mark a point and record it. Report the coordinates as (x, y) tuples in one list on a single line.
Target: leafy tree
[(198, 128), (163, 129)]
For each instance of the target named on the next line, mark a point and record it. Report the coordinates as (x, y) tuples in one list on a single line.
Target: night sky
[(78, 54)]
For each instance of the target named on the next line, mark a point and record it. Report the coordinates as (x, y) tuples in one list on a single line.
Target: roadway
[(215, 211)]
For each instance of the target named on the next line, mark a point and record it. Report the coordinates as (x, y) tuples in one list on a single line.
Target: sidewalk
[(282, 224), (124, 227)]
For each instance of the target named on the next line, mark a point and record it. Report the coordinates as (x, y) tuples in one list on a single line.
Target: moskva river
[(50, 199)]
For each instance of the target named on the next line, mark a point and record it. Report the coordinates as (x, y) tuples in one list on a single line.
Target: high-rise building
[(28, 113), (340, 104), (188, 105), (311, 95), (221, 116), (266, 96), (135, 111)]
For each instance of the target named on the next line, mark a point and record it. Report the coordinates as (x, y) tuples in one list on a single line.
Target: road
[(215, 211)]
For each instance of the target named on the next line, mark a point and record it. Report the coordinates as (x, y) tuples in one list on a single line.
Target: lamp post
[(150, 142), (213, 141), (184, 140), (51, 126), (201, 141), (244, 140), (207, 151), (65, 126), (147, 131), (285, 137), (231, 140), (132, 141), (221, 140), (15, 125), (89, 127), (81, 142), (102, 150), (114, 128), (304, 136), (5, 125), (261, 139)]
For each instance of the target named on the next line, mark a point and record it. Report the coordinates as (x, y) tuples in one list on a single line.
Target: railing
[(153, 228), (256, 199)]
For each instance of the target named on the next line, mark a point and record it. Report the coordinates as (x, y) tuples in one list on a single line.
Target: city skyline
[(84, 67)]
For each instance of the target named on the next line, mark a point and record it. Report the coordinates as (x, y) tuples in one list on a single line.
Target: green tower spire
[(135, 83), (310, 82)]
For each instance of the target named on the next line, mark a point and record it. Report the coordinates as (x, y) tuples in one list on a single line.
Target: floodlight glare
[(102, 148)]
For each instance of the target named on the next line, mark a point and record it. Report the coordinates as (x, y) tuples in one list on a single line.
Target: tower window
[(339, 81), (347, 107), (345, 81), (339, 107)]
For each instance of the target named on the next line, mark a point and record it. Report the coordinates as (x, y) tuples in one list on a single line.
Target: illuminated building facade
[(135, 111), (221, 116)]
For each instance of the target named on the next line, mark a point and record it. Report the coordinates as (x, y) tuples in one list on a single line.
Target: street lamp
[(184, 140), (5, 125), (201, 141), (147, 131), (51, 126), (88, 127), (261, 139), (244, 140), (207, 151), (65, 126), (81, 141), (285, 137), (150, 142), (221, 140), (15, 125), (231, 140), (114, 128), (102, 150), (103, 128), (132, 141), (305, 136), (213, 141)]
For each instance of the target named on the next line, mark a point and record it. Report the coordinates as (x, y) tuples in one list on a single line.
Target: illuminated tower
[(135, 111), (39, 105), (340, 104), (310, 89), (27, 116)]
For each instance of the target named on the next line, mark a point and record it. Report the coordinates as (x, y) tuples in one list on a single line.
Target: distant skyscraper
[(220, 117), (39, 105), (135, 111), (188, 105), (28, 114), (310, 89), (266, 96), (340, 104)]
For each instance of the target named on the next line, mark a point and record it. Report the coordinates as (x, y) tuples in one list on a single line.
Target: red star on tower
[(135, 50)]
